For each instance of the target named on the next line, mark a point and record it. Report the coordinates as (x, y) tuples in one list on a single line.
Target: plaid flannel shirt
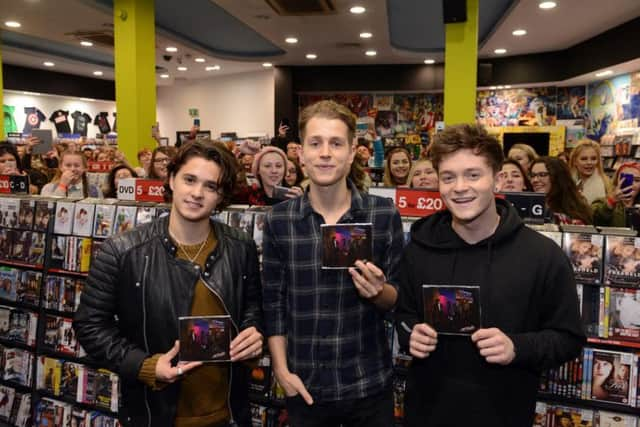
[(336, 341)]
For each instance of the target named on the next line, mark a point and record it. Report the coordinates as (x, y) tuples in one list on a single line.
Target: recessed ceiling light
[(371, 53), (13, 24), (164, 76), (500, 51), (87, 99), (171, 49), (48, 64), (366, 35), (86, 43), (213, 68), (182, 68), (547, 5), (493, 88), (357, 10), (267, 64), (97, 73), (311, 56), (604, 73), (291, 40), (519, 32), (31, 93), (199, 60), (429, 61), (500, 87)]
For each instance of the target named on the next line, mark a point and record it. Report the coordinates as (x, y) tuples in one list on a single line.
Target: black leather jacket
[(136, 291)]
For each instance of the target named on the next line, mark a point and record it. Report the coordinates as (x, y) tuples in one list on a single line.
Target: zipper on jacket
[(231, 421), (144, 331)]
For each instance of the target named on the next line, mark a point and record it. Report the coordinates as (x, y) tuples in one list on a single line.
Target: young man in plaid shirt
[(325, 327)]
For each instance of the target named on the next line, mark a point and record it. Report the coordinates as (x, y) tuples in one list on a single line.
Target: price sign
[(14, 184), (149, 190), (412, 202), (100, 166)]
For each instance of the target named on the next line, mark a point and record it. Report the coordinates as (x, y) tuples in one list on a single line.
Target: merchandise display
[(33, 120), (61, 121)]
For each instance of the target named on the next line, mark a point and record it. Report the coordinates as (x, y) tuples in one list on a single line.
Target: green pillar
[(460, 68), (2, 135), (134, 22)]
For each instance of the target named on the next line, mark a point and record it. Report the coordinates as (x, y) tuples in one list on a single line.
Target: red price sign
[(149, 190), (5, 185), (412, 202), (99, 166), (14, 184)]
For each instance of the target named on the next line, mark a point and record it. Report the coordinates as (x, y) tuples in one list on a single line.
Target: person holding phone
[(609, 211), (269, 166), (285, 135)]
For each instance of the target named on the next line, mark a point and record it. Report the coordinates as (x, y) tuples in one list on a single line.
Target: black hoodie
[(527, 290)]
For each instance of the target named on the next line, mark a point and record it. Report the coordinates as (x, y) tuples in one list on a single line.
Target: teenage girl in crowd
[(117, 173), (587, 171), (513, 178), (523, 154), (269, 168), (71, 178), (551, 176), (294, 175), (609, 211), (396, 168), (423, 175), (159, 160)]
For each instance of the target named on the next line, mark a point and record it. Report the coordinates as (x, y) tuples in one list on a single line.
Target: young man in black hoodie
[(529, 307)]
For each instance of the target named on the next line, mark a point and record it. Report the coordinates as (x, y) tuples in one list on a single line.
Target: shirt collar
[(357, 202)]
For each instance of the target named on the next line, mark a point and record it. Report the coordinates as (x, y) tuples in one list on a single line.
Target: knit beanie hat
[(266, 149), (249, 146)]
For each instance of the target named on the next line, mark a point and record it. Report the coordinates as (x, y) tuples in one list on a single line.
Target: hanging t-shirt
[(61, 121), (102, 121), (114, 123), (34, 118), (81, 122), (9, 122)]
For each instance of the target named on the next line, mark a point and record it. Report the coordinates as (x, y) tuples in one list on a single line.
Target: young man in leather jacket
[(180, 265)]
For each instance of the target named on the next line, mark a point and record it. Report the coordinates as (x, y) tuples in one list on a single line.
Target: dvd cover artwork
[(611, 376), (205, 338), (452, 309), (42, 215), (344, 244), (585, 251), (26, 214), (622, 261), (624, 314)]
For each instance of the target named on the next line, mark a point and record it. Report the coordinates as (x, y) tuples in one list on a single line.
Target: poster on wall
[(607, 101), (517, 107), (571, 102), (383, 102)]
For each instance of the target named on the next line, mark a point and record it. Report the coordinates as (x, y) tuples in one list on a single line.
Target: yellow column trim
[(460, 68), (134, 31), (2, 135)]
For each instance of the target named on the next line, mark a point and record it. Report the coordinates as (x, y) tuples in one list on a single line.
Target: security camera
[(167, 57)]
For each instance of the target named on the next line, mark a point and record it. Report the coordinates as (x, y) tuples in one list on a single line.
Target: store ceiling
[(239, 35)]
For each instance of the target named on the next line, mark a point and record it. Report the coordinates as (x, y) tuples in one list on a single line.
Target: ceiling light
[(31, 93), (97, 73), (87, 99), (267, 64), (86, 43), (429, 61), (48, 64), (493, 88), (311, 56), (500, 87), (547, 5), (199, 60), (507, 86), (604, 73), (171, 49), (213, 68), (291, 40), (519, 32), (500, 51), (164, 76), (13, 24), (182, 68), (366, 35), (371, 53), (357, 10)]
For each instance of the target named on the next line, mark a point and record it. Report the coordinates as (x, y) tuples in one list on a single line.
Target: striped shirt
[(335, 339)]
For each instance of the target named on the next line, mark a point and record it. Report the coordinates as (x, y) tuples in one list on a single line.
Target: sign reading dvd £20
[(414, 202), (141, 190)]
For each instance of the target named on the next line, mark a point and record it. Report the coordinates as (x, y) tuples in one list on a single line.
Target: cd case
[(204, 338), (344, 244), (453, 310)]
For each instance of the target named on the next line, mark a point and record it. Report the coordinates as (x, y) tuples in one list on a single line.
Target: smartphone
[(196, 122), (280, 192), (285, 122), (46, 141), (626, 180)]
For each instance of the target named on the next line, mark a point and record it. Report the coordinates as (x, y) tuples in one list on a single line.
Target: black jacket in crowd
[(136, 291), (527, 290)]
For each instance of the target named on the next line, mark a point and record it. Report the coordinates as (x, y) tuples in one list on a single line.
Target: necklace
[(184, 251)]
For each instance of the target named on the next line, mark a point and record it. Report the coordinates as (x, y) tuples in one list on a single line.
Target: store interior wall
[(241, 103)]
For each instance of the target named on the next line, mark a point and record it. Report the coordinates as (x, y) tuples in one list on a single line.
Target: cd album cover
[(205, 338), (344, 244), (453, 310)]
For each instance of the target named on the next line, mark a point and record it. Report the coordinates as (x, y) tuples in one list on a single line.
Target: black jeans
[(372, 411)]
